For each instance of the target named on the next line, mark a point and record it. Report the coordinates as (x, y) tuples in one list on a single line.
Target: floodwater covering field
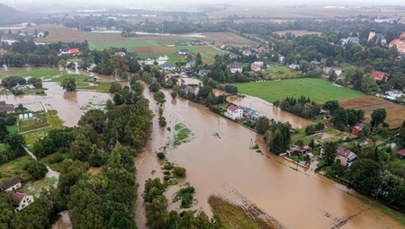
[(218, 161), (69, 105)]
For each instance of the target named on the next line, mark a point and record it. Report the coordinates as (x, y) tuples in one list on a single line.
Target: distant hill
[(9, 15)]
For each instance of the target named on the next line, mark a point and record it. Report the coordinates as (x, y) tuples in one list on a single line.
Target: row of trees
[(302, 107)]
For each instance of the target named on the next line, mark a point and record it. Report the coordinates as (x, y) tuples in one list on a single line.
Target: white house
[(22, 200), (11, 185), (259, 63), (394, 94), (184, 52), (234, 112), (294, 66), (234, 68), (169, 67)]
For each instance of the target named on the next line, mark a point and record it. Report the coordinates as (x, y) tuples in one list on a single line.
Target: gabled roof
[(378, 75), (18, 196), (10, 183), (343, 152), (360, 126), (74, 51), (401, 152), (235, 66), (233, 108)]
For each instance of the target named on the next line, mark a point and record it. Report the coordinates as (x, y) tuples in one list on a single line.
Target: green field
[(318, 90), (14, 169), (281, 72)]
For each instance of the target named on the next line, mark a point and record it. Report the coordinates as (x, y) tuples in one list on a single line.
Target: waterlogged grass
[(182, 134), (14, 169), (35, 188), (318, 90), (234, 216)]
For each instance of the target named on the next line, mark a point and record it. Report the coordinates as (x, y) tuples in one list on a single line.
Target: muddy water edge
[(219, 162)]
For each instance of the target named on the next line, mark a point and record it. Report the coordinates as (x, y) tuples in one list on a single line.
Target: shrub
[(179, 171)]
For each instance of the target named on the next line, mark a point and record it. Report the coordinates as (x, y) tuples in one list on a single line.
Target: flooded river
[(225, 166), (70, 105)]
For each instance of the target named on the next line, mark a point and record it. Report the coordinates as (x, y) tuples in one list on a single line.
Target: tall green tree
[(378, 117), (69, 84)]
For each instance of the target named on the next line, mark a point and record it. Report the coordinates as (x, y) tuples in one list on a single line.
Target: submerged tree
[(69, 84)]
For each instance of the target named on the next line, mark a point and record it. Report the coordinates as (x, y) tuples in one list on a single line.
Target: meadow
[(318, 90)]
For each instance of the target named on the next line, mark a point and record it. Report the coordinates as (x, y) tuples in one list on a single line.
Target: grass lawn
[(53, 122), (318, 90), (39, 73), (15, 168), (39, 121), (281, 72)]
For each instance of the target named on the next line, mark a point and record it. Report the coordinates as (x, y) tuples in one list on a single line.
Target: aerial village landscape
[(211, 115)]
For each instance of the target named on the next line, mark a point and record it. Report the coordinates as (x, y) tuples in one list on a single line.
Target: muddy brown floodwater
[(225, 166), (69, 105)]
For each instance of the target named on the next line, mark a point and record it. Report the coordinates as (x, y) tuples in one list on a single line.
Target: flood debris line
[(343, 221)]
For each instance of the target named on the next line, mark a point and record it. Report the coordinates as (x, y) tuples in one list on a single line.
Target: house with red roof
[(74, 51), (234, 112), (21, 200), (358, 128), (247, 52), (399, 43), (401, 154), (378, 76)]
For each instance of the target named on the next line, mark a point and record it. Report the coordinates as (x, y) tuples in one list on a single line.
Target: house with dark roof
[(345, 156), (204, 72), (11, 185), (250, 113), (21, 200), (169, 67), (191, 64), (184, 52)]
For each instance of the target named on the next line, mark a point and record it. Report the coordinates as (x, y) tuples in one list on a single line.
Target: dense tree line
[(302, 107)]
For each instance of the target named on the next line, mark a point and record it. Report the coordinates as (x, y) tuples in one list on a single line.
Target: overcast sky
[(188, 2)]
